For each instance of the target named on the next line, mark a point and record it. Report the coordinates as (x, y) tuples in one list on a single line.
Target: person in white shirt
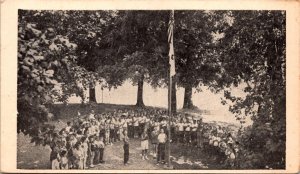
[(162, 138)]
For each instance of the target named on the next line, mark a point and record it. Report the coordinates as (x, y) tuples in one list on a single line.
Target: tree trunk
[(140, 101), (188, 103), (92, 97)]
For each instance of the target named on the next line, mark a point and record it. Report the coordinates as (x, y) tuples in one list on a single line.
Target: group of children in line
[(81, 144)]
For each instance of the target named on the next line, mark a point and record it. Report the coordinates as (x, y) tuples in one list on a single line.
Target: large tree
[(47, 69), (135, 47), (253, 52), (92, 30), (196, 64)]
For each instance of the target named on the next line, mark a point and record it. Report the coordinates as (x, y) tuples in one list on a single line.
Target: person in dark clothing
[(101, 150), (126, 148)]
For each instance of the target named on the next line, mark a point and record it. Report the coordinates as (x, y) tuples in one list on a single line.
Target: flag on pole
[(171, 47)]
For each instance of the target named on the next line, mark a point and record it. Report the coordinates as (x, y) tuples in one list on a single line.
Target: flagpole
[(170, 114), (171, 73)]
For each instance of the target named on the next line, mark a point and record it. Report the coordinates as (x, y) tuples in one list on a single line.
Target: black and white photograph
[(143, 89)]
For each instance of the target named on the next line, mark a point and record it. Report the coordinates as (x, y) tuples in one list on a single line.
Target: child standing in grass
[(162, 138)]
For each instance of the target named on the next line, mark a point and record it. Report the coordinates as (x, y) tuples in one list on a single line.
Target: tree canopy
[(253, 51)]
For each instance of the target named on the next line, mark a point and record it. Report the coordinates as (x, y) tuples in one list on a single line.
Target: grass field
[(30, 156)]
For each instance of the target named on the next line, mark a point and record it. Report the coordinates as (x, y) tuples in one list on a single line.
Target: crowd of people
[(81, 144)]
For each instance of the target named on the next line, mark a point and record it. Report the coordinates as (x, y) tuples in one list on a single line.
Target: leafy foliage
[(194, 48), (253, 52), (47, 69)]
